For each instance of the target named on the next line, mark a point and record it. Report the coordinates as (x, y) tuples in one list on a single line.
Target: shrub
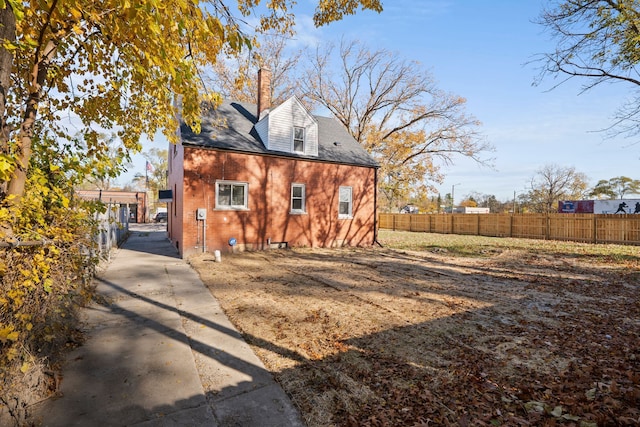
[(44, 275)]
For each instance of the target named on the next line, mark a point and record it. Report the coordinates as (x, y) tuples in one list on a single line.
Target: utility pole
[(453, 203)]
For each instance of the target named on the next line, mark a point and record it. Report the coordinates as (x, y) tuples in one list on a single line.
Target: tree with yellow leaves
[(72, 71), (118, 64)]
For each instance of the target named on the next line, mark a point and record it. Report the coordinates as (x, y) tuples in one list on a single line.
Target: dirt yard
[(385, 337)]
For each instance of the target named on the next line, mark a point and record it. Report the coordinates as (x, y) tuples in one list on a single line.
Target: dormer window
[(289, 128), (298, 139)]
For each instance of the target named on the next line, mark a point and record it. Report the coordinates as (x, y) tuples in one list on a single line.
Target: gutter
[(375, 208)]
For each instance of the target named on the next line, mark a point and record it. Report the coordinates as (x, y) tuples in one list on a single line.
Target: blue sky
[(480, 50)]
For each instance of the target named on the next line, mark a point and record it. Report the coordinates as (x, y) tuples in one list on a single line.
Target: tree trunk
[(8, 33), (22, 150)]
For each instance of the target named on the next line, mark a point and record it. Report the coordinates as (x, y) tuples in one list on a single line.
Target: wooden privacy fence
[(589, 228)]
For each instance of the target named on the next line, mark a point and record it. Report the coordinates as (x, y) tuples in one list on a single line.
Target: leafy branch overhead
[(116, 64), (71, 73)]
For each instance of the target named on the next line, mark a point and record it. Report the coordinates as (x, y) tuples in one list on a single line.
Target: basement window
[(232, 195)]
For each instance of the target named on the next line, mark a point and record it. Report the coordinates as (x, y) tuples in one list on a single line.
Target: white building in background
[(470, 210)]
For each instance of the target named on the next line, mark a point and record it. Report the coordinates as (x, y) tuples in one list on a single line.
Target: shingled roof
[(231, 127)]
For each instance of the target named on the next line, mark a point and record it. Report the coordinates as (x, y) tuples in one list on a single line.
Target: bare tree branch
[(553, 183), (596, 41), (393, 108)]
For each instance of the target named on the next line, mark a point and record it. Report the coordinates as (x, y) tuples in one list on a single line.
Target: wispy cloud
[(411, 9), (307, 35)]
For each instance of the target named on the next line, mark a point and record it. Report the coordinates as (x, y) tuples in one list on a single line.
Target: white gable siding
[(311, 143), (262, 127), (278, 127)]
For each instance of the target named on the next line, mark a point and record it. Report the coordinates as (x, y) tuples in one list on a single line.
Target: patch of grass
[(481, 246)]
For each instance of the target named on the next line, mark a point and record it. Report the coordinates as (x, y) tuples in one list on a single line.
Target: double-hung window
[(298, 139), (297, 198), (232, 195), (345, 207)]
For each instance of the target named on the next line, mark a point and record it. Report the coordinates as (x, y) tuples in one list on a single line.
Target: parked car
[(409, 209), (161, 217)]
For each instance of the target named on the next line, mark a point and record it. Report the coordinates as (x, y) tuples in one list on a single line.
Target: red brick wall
[(268, 217)]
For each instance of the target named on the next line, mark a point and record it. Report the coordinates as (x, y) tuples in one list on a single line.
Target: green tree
[(597, 41), (616, 188)]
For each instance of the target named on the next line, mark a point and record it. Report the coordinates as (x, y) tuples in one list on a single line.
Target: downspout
[(375, 207), (204, 228)]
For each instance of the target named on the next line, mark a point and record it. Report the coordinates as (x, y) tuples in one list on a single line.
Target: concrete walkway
[(154, 339)]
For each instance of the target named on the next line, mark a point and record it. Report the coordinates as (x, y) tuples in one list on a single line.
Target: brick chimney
[(264, 90)]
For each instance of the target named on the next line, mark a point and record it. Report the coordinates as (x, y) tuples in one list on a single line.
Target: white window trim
[(350, 214), (243, 207), (304, 199), (293, 140)]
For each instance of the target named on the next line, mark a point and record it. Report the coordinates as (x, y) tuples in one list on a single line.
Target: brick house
[(257, 177)]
